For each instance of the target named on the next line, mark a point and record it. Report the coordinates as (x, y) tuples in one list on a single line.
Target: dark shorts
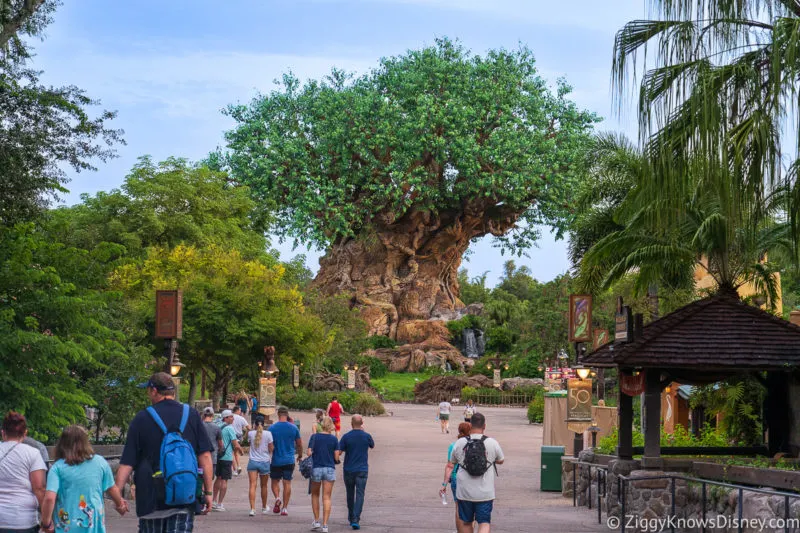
[(444, 418), (224, 469), (285, 472), (34, 529), (179, 523), (480, 512)]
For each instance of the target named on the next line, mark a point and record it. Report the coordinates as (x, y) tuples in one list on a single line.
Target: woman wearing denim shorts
[(258, 466), (325, 455)]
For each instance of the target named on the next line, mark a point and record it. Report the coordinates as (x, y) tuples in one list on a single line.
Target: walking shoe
[(265, 510), (220, 508), (252, 512), (355, 525), (284, 512), (324, 529), (238, 470), (277, 508), (315, 526)]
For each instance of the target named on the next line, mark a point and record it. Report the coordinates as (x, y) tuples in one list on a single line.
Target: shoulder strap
[(184, 418), (484, 438), (157, 419), (8, 452)]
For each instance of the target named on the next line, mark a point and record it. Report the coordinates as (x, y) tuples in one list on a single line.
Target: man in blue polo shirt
[(288, 448), (356, 444), (142, 454)]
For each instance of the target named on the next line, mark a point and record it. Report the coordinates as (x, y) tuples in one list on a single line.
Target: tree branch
[(15, 23)]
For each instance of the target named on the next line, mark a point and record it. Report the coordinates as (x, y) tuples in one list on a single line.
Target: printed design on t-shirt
[(63, 519), (88, 520)]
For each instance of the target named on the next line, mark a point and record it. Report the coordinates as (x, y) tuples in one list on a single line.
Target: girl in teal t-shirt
[(75, 487)]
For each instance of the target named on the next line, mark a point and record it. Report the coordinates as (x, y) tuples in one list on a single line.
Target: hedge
[(352, 402)]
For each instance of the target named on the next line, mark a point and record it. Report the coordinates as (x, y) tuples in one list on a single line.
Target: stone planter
[(748, 475)]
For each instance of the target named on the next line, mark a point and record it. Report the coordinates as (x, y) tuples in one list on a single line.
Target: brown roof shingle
[(719, 332)]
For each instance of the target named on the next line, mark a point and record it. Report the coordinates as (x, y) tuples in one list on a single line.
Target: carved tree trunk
[(404, 275)]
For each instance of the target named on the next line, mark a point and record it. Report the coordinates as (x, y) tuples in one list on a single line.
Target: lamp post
[(496, 363), (175, 367), (351, 369)]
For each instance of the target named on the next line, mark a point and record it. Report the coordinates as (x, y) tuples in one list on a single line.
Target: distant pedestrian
[(355, 445), (288, 449), (230, 449), (334, 411), (142, 457), (469, 410), (476, 456), (75, 487), (22, 478), (444, 415), (41, 448), (214, 433), (319, 414), (242, 402), (323, 449), (253, 409), (240, 427), (258, 466), (451, 470)]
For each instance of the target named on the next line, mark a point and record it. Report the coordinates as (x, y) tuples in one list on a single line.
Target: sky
[(169, 68)]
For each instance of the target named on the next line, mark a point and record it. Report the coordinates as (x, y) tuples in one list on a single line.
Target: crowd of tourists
[(178, 465)]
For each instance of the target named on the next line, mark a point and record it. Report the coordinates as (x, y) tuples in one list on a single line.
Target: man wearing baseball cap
[(214, 433), (142, 453), (230, 445)]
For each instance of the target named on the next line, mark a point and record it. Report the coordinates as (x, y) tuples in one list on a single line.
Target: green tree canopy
[(437, 130)]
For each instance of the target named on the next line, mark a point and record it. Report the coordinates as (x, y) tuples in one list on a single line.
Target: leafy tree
[(232, 308), (164, 204), (395, 172), (53, 333), (20, 19)]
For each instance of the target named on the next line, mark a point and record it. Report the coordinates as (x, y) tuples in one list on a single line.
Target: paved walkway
[(406, 469)]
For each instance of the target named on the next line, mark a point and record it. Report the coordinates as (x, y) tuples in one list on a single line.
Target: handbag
[(306, 466)]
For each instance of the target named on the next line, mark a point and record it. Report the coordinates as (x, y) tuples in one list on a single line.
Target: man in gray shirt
[(40, 447), (475, 494), (214, 433)]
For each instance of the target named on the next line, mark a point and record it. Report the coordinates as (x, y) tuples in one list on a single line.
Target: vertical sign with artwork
[(351, 379), (296, 376), (580, 318), (496, 381), (601, 337), (579, 404), (267, 400)]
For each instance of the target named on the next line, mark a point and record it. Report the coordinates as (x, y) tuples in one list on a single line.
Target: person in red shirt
[(335, 412)]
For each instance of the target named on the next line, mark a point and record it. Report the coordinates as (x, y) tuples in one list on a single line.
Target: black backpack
[(475, 461)]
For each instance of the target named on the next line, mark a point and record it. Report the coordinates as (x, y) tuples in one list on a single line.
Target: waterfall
[(474, 342)]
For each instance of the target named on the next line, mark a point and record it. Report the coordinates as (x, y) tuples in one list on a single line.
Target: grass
[(398, 387)]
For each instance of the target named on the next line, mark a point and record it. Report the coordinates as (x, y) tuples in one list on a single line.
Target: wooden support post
[(652, 421), (625, 417)]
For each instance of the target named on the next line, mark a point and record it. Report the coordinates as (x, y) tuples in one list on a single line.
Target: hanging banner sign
[(580, 318), (623, 325), (579, 400), (601, 337), (169, 314), (632, 385), (351, 379)]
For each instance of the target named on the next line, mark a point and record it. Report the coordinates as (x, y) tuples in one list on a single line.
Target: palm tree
[(665, 239), (718, 96)]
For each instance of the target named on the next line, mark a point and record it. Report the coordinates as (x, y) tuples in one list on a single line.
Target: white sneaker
[(315, 526), (220, 508), (252, 512), (265, 510), (324, 529)]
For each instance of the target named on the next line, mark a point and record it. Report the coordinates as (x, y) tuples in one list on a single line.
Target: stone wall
[(651, 499)]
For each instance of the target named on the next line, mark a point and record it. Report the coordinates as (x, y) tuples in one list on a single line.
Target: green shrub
[(337, 363), (536, 408), (368, 405), (680, 437), (352, 402), (456, 327), (377, 342)]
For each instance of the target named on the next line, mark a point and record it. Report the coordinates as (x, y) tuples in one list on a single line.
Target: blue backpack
[(178, 463)]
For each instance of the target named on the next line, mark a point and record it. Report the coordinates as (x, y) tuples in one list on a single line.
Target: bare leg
[(264, 491), (217, 483), (223, 489), (327, 491), (484, 528), (287, 492), (253, 479), (276, 487), (315, 487)]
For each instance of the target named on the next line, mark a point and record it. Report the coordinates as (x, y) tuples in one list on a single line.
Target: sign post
[(169, 322), (296, 376), (496, 381), (351, 378), (579, 409), (266, 396)]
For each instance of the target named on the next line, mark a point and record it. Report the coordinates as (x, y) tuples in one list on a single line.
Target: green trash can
[(551, 468)]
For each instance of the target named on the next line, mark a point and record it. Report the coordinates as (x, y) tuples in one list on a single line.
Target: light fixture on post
[(582, 371), (175, 366)]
